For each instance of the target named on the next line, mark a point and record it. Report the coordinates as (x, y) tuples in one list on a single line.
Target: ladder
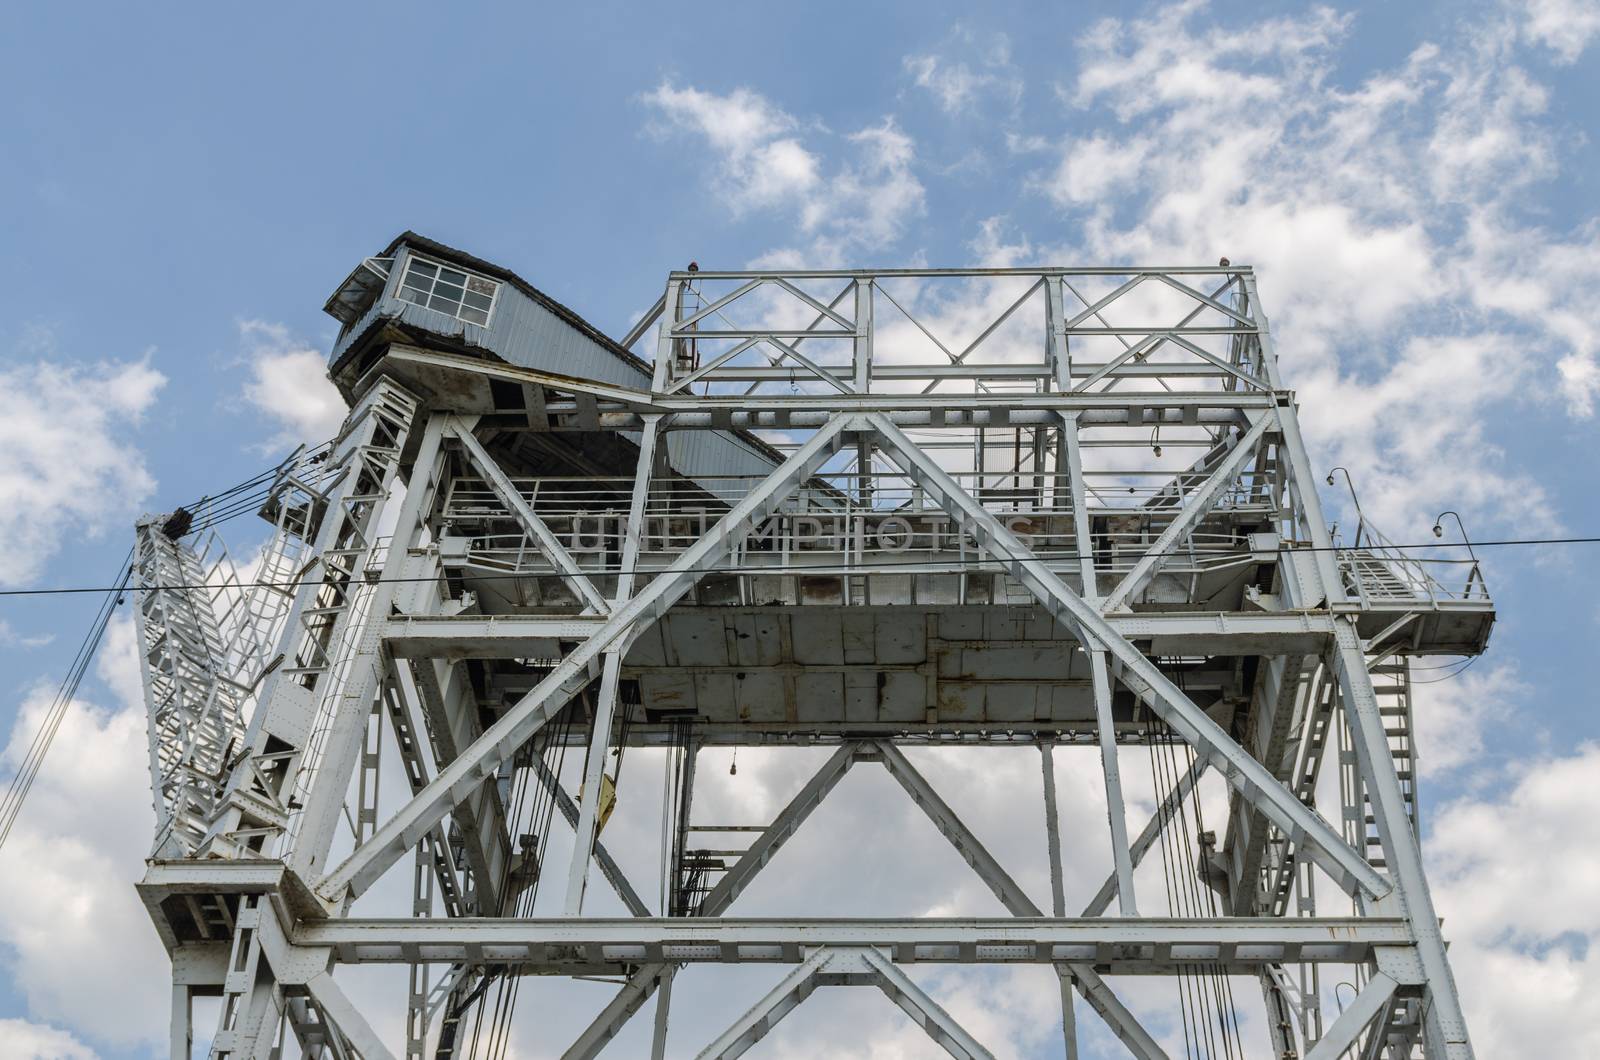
[(1391, 684)]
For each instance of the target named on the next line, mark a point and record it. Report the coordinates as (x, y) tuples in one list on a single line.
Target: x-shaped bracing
[(1085, 620), (1305, 827), (479, 762), (788, 821)]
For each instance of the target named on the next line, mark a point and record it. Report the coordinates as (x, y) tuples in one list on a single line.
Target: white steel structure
[(867, 510)]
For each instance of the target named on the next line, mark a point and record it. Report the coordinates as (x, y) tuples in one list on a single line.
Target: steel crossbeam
[(1126, 945)]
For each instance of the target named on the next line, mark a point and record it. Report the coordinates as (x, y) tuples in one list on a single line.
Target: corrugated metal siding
[(523, 332)]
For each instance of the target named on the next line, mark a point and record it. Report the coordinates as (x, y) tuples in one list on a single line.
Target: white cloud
[(973, 69), (861, 201), (1452, 715), (1564, 26), (75, 940), (954, 85), (33, 1041), (1407, 295), (289, 382), (1515, 878), (762, 164), (10, 637), (70, 465), (1094, 168)]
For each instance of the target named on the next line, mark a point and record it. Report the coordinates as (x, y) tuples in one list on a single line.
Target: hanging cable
[(1206, 1002), (1168, 857), (33, 761)]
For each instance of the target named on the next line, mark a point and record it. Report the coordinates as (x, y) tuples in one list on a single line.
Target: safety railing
[(772, 333), (1380, 573)]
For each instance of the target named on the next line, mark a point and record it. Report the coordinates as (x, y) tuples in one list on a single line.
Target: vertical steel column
[(658, 1038), (610, 676), (1446, 1025), (862, 371), (181, 1025), (1058, 894), (331, 781), (1099, 672)]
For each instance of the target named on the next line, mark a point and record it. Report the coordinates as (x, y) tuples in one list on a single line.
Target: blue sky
[(181, 189)]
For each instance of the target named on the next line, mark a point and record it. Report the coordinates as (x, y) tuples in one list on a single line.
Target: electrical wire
[(1460, 669), (786, 569)]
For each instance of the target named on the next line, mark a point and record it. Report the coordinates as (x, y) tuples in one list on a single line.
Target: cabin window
[(449, 290)]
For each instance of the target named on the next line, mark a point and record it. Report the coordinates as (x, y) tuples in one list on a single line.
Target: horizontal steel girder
[(699, 409), (1115, 945), (519, 636)]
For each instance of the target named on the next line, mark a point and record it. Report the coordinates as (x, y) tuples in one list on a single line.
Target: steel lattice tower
[(864, 510)]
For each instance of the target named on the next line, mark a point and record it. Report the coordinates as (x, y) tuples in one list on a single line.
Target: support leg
[(1116, 809), (618, 1011), (769, 1011), (658, 1041), (1015, 899), (1445, 1031), (182, 1027), (1058, 896)]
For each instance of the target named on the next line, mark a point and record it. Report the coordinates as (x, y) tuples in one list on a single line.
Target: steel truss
[(458, 612)]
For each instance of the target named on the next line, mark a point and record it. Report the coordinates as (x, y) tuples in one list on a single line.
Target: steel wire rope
[(513, 814), (1225, 981), (1211, 987), (1213, 970), (1168, 857), (39, 747), (1199, 974), (1227, 1010), (541, 818)]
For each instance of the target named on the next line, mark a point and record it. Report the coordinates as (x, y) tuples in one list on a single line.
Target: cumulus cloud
[(966, 69), (75, 940), (9, 637), (1515, 878), (33, 1041), (289, 383), (70, 465), (1564, 26), (1453, 715), (1385, 221), (762, 162), (864, 199)]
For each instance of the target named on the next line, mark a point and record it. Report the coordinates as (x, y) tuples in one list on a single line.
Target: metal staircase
[(1391, 683)]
